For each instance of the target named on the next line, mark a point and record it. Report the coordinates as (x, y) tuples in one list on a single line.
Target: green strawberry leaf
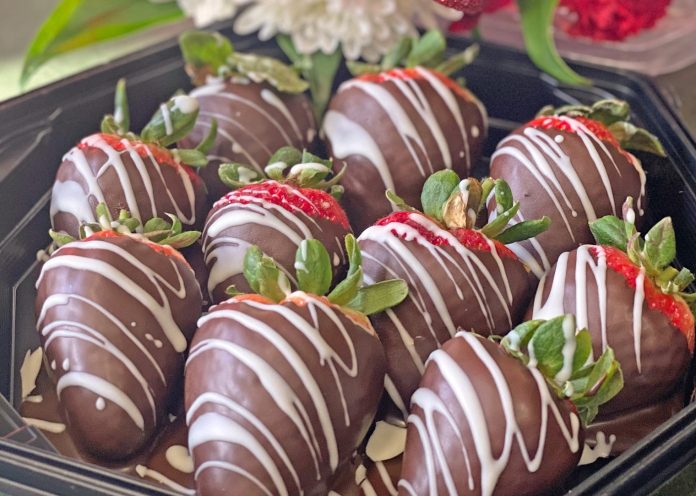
[(601, 384), (121, 110), (358, 69), (60, 238), (347, 289), (428, 51), (396, 56), (610, 111), (264, 276), (380, 296), (610, 231), (156, 225), (236, 176), (313, 267), (457, 62), (207, 144), (109, 126), (503, 196), (399, 202), (192, 158), (634, 138), (547, 344), (524, 230), (204, 53), (494, 228), (232, 291), (172, 121), (583, 349), (660, 244), (181, 240), (259, 69), (437, 190)]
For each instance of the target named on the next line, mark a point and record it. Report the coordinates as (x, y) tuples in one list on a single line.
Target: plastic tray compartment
[(38, 128)]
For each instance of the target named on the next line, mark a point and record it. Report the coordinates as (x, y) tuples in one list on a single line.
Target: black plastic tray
[(38, 128)]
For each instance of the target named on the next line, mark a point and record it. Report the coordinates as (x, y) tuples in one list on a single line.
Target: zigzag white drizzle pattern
[(158, 305), (548, 162), (350, 138), (471, 407), (465, 269), (554, 304), (70, 197), (215, 427), (222, 251)]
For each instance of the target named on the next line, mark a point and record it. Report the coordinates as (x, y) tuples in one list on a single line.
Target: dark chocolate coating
[(235, 225), (419, 124), (251, 128), (483, 309), (458, 373), (256, 385), (90, 172), (106, 309), (664, 355), (583, 161)]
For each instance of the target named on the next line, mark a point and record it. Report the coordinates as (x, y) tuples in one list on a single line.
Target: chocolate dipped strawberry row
[(398, 122), (458, 276), (281, 387), (115, 313), (572, 164), (275, 211), (629, 297), (136, 173), (508, 418), (256, 103)]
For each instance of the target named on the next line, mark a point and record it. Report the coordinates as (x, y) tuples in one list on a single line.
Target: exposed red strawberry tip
[(313, 202), (470, 238), (161, 155), (672, 306), (417, 74)]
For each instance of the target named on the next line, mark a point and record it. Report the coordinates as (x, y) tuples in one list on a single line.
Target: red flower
[(611, 19)]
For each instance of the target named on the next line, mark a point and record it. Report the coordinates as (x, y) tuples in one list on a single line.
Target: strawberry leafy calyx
[(614, 116), (213, 55), (314, 276), (427, 51), (655, 253), (172, 121), (157, 230), (563, 354), (456, 204), (291, 166)]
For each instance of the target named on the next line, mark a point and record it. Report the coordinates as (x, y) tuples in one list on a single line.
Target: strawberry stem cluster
[(615, 116), (155, 230), (457, 204), (314, 276), (213, 55), (586, 382), (426, 51), (172, 122), (655, 253), (287, 165)]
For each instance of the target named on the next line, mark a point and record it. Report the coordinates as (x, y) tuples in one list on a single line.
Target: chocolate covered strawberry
[(281, 386), (396, 123), (630, 298), (572, 164), (256, 103), (505, 419), (459, 276), (136, 173), (115, 312), (276, 212)]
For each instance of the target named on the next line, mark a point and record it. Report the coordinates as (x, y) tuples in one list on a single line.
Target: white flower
[(362, 28), (205, 12)]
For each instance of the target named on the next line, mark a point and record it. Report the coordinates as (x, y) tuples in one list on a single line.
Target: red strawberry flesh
[(313, 202), (671, 306), (470, 238), (416, 74)]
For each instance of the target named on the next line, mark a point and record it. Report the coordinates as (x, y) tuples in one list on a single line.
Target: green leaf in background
[(318, 69), (76, 24), (537, 29)]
